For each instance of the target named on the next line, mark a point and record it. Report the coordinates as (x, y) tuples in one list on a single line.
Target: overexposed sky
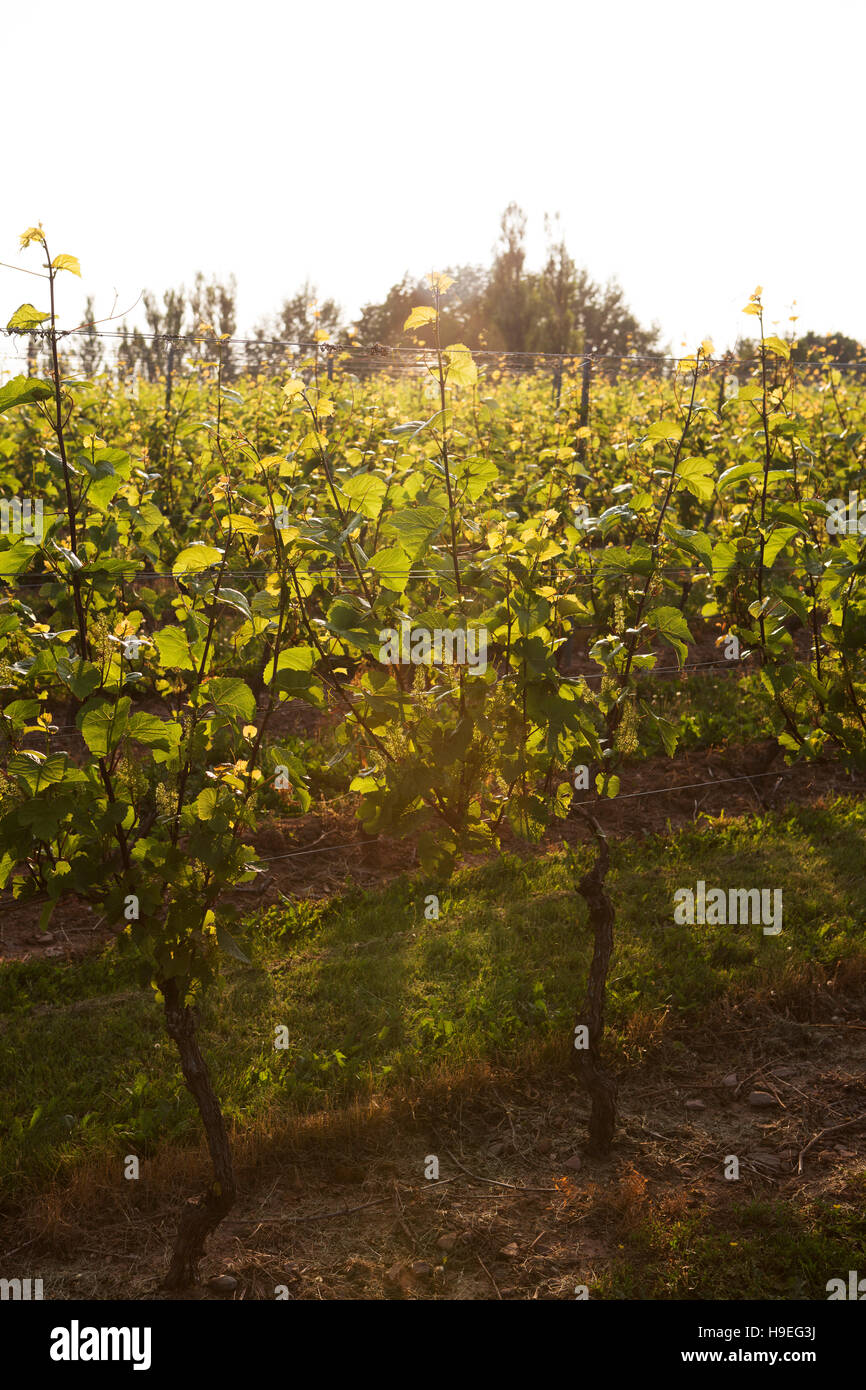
[(692, 150)]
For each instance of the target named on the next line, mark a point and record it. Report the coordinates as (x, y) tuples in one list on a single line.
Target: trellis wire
[(384, 351)]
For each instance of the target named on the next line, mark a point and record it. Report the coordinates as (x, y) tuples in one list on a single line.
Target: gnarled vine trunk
[(202, 1215), (600, 1086)]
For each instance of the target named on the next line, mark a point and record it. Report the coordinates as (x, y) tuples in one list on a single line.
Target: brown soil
[(338, 1207)]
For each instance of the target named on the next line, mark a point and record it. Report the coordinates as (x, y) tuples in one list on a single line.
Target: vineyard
[(383, 734)]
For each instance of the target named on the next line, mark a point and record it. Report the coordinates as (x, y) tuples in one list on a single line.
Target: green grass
[(706, 711), (758, 1250), (375, 996)]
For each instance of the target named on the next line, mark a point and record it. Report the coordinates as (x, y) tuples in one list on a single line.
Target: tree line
[(504, 306)]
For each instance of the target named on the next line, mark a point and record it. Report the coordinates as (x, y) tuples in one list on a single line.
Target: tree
[(154, 847), (89, 355), (558, 329), (383, 323), (463, 321), (561, 310), (833, 347), (146, 354), (606, 323), (180, 315), (296, 324), (305, 315), (214, 303), (511, 293), (505, 307)]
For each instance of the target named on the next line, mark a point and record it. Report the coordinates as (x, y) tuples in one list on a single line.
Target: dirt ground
[(340, 1208)]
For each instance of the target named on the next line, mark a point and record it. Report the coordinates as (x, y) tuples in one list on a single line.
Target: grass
[(374, 996), (782, 1249), (706, 711)]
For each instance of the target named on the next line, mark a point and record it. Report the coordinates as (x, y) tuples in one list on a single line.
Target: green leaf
[(364, 782), (528, 817), (174, 650), (776, 345), (26, 318), (531, 612), (788, 513), (740, 470), (22, 390), (668, 732), (36, 771), (366, 492), (777, 542), (392, 566), (20, 712), (102, 491), (636, 560), (344, 616), (104, 725), (265, 604), (299, 660), (46, 914), (81, 677), (415, 527), (69, 556), (672, 628), (694, 542), (14, 559), (228, 944), (462, 370), (206, 803), (413, 426), (154, 732), (7, 864), (664, 429), (239, 524), (724, 559), (194, 558), (231, 697), (476, 475), (351, 625), (233, 598), (750, 391), (695, 475), (43, 816), (66, 262), (607, 785), (419, 317)]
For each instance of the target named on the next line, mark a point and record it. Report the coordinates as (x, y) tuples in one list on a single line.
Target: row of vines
[(204, 559)]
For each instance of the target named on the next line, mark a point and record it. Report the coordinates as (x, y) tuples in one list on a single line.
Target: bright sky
[(692, 150)]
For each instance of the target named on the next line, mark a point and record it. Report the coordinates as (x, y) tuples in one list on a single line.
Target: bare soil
[(338, 1207)]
